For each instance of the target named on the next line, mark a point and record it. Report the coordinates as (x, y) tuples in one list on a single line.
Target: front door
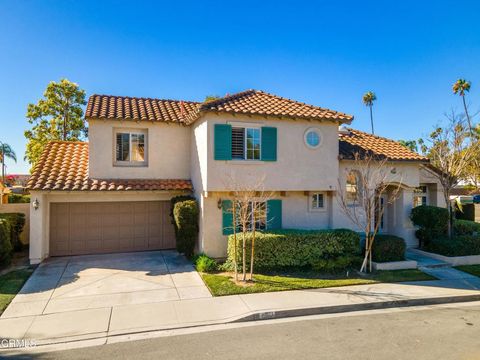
[(381, 214)]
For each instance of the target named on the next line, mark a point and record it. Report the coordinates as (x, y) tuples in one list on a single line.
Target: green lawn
[(10, 285), (221, 284), (471, 269)]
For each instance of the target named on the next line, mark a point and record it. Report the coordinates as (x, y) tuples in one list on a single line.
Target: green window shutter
[(274, 214), (223, 142), (269, 143), (227, 217)]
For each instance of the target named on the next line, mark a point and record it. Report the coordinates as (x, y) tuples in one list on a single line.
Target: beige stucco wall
[(435, 189), (168, 150), (40, 218), (297, 167)]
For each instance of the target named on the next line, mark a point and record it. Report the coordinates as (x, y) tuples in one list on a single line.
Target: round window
[(312, 138)]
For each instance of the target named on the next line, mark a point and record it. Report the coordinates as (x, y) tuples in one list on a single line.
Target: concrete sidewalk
[(134, 318)]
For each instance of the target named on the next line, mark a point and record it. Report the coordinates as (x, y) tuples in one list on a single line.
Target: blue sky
[(326, 53)]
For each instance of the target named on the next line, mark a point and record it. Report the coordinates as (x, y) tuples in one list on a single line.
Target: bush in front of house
[(16, 223), (296, 248), (432, 222), (388, 248), (466, 227), (6, 248), (459, 245), (206, 264), (18, 199), (185, 215)]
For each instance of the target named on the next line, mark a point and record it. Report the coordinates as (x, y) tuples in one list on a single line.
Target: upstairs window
[(246, 143), (130, 148)]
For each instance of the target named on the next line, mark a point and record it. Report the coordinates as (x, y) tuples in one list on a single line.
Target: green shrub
[(466, 227), (337, 264), (432, 220), (18, 198), (388, 248), (460, 245), (16, 222), (296, 248), (5, 243), (185, 214), (206, 264)]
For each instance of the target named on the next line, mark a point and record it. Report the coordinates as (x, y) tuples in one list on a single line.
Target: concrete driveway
[(102, 281)]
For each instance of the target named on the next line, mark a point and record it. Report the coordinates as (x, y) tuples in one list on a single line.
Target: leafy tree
[(57, 116), (209, 98), (6, 151), (410, 144), (450, 154), (461, 87), (368, 99)]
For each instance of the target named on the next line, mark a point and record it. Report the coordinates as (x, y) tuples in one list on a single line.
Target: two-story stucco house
[(113, 193)]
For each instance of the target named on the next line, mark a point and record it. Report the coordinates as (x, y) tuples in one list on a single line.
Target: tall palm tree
[(6, 151), (368, 99), (461, 87)]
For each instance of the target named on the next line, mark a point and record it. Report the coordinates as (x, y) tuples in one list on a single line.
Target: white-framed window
[(317, 201), (246, 143), (420, 196), (312, 138), (130, 147)]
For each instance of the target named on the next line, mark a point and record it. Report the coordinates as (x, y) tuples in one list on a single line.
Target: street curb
[(256, 316), (336, 309)]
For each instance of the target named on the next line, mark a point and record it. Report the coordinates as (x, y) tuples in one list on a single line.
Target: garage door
[(106, 227)]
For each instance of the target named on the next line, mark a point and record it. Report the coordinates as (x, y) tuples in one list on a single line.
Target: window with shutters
[(246, 143), (130, 148)]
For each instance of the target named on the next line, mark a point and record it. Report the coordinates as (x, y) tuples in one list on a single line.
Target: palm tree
[(6, 151), (460, 87), (368, 99)]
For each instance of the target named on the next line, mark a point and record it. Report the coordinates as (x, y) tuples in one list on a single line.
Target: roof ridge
[(226, 98), (146, 98)]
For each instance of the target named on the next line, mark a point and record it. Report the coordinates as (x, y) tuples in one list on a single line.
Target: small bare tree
[(451, 153), (249, 207), (370, 179)]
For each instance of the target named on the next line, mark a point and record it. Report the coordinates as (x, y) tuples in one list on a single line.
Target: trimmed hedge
[(432, 220), (460, 245), (185, 215), (466, 227), (297, 248), (5, 243), (388, 248), (16, 222)]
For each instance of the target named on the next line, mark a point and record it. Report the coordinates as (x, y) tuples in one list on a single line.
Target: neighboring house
[(113, 193)]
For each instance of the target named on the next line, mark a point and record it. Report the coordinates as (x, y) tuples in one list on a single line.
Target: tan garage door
[(106, 227)]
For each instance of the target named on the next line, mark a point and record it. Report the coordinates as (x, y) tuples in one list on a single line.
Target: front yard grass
[(221, 284), (471, 269), (10, 285)]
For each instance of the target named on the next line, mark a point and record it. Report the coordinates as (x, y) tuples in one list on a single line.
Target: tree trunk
[(371, 119), (449, 208), (467, 115), (252, 252), (244, 255), (235, 266)]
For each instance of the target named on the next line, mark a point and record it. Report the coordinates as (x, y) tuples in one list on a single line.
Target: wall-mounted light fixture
[(35, 204), (219, 203), (393, 171)]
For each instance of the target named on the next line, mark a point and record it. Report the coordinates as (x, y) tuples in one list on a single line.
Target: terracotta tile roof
[(64, 166), (250, 102), (139, 109), (256, 102), (356, 141)]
